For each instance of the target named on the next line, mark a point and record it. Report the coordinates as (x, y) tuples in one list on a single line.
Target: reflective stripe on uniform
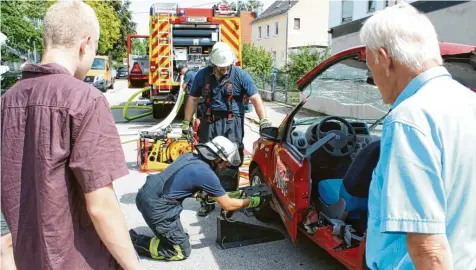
[(179, 255), (154, 249)]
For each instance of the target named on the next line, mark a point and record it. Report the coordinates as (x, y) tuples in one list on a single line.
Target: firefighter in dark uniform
[(160, 199), (223, 87)]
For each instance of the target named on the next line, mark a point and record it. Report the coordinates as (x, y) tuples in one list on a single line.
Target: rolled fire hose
[(164, 123), (126, 106)]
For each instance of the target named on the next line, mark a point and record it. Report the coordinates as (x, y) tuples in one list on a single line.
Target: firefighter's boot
[(157, 249), (141, 243)]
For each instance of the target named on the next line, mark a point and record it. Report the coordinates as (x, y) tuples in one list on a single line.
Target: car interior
[(341, 169), (343, 151)]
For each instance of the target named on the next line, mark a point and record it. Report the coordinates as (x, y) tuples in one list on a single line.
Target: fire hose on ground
[(126, 106), (161, 128)]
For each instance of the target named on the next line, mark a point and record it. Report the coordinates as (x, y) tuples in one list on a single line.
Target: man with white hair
[(60, 154), (421, 198)]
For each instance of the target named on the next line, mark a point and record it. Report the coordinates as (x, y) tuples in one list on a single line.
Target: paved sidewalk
[(276, 112)]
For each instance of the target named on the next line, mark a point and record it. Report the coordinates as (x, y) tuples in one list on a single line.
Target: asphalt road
[(280, 254)]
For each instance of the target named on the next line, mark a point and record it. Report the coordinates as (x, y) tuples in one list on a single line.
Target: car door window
[(463, 70), (345, 89)]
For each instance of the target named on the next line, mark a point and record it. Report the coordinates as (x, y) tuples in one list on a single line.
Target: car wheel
[(264, 212)]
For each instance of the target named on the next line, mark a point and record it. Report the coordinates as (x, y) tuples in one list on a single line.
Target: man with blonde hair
[(60, 154), (421, 198)]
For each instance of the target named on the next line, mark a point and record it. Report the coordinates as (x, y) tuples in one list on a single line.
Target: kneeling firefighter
[(223, 87), (160, 199)]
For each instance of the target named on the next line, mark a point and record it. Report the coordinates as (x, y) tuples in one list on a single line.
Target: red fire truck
[(184, 36)]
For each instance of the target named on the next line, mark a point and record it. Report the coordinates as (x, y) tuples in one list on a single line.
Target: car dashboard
[(303, 136)]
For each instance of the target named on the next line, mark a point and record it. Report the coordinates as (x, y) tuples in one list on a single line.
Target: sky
[(140, 10)]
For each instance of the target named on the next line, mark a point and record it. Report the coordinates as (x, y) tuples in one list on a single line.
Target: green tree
[(247, 5), (304, 60), (139, 46), (127, 26), (256, 59), (17, 23), (109, 24)]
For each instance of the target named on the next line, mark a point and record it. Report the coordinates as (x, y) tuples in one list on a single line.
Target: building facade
[(246, 17), (453, 20), (288, 25)]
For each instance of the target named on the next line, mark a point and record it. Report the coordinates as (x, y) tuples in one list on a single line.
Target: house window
[(276, 28), (347, 10), (259, 32), (274, 58), (371, 6), (297, 23), (267, 30), (386, 3)]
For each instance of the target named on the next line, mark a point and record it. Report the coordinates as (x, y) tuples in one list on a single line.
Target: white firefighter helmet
[(222, 55), (220, 147)]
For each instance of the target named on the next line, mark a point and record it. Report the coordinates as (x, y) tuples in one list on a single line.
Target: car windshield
[(122, 69), (463, 71), (99, 64), (345, 89)]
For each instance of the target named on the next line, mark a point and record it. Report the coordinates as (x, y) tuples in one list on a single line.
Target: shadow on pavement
[(118, 117), (129, 198), (305, 255), (132, 165), (281, 254)]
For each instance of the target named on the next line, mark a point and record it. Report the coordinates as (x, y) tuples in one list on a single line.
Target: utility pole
[(34, 51)]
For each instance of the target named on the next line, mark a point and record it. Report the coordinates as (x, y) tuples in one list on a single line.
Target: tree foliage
[(127, 26), (115, 20), (109, 24), (140, 46), (304, 60), (19, 28), (247, 5), (256, 59)]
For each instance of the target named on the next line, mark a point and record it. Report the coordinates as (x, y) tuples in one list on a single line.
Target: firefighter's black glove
[(187, 131)]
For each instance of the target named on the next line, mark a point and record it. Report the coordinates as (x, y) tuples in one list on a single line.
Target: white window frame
[(276, 29)]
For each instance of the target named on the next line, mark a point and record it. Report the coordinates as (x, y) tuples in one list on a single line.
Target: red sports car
[(318, 162)]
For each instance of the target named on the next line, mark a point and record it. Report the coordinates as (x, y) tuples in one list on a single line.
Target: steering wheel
[(344, 139)]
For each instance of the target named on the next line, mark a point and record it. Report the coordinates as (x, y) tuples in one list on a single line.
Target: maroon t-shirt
[(59, 141)]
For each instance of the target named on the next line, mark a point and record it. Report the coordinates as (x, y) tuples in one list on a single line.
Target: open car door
[(291, 179)]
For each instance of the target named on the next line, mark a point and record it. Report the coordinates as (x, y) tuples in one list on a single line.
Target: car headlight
[(98, 78)]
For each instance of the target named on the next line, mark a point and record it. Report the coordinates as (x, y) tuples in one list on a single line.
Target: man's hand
[(111, 226), (255, 201), (264, 123), (187, 131), (429, 251)]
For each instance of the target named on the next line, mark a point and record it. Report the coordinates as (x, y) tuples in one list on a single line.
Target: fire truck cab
[(184, 36)]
